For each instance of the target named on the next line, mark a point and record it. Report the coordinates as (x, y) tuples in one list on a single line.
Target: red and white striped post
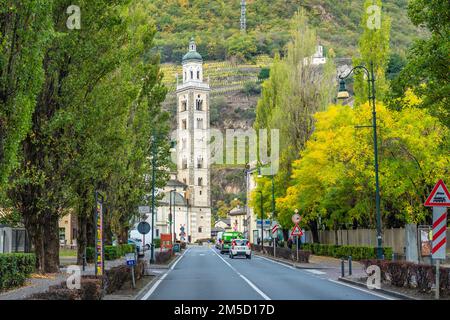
[(439, 199)]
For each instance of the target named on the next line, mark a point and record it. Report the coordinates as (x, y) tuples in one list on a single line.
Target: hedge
[(15, 268), (111, 252), (411, 275), (285, 253), (357, 252)]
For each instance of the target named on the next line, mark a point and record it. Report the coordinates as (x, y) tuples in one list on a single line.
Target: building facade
[(193, 124)]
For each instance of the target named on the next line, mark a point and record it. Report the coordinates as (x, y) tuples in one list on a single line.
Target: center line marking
[(262, 294)]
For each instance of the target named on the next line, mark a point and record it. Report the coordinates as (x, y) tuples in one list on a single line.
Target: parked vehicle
[(219, 239), (138, 244), (240, 247), (134, 234), (227, 238)]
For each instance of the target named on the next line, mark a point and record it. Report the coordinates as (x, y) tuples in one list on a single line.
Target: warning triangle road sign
[(439, 197), (296, 231)]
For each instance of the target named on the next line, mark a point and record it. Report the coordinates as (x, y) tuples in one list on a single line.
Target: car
[(138, 244), (219, 239), (241, 247), (134, 234), (227, 238)]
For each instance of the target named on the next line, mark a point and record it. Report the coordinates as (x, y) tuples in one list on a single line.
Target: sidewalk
[(40, 283), (324, 265)]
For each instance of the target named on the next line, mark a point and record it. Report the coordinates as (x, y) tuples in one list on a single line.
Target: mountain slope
[(216, 24)]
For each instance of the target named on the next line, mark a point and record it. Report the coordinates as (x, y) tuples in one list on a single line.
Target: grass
[(67, 252)]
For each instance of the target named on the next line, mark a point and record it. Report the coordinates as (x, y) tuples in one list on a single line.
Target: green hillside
[(216, 26)]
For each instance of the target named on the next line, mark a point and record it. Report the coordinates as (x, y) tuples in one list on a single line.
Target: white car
[(241, 247), (134, 234)]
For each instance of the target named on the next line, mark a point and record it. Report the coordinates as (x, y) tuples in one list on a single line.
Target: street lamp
[(343, 94), (154, 156), (172, 215), (262, 221)]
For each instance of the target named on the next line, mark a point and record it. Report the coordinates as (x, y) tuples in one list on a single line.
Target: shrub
[(357, 252), (91, 289), (111, 252), (162, 257), (157, 243), (15, 268), (401, 274)]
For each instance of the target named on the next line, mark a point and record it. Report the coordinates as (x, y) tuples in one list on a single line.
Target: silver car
[(240, 247)]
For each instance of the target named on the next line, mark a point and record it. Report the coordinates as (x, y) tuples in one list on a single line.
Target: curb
[(155, 278), (384, 291), (287, 263)]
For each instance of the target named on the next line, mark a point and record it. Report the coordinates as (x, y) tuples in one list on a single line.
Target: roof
[(179, 199), (226, 221), (237, 211), (176, 183), (192, 55)]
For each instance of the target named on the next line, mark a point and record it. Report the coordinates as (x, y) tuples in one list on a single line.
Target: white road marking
[(262, 294), (157, 283), (363, 290), (281, 264), (315, 271)]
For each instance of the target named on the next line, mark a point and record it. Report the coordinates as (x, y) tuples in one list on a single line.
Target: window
[(192, 74), (200, 229), (184, 124), (183, 105), (62, 234), (157, 233), (74, 233), (200, 181), (199, 104), (198, 74), (200, 192), (199, 123), (199, 163), (184, 164)]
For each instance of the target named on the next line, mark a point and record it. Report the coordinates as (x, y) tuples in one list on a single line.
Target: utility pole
[(243, 16)]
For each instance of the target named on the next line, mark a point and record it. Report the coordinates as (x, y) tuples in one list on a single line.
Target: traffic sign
[(144, 209), (296, 231), (275, 229), (143, 227), (439, 244), (439, 197), (296, 218), (131, 260)]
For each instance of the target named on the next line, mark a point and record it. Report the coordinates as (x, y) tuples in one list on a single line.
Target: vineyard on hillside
[(225, 78)]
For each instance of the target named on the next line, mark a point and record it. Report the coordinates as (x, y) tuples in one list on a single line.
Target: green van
[(227, 238)]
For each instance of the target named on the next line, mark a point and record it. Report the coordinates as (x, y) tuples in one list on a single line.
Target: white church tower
[(192, 148)]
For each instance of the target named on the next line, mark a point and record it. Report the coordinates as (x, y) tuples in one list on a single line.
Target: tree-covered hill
[(216, 26)]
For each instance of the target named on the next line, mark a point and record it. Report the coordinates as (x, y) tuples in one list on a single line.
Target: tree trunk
[(314, 231), (51, 243), (81, 237)]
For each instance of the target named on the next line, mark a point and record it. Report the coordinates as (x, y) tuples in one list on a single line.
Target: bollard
[(342, 267), (349, 265)]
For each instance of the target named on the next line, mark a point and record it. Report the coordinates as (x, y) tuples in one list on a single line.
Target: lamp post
[(343, 94), (154, 138), (262, 220), (172, 214)]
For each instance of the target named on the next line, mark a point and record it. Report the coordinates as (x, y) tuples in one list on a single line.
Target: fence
[(394, 238)]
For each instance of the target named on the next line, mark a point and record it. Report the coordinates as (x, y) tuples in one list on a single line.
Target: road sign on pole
[(296, 231), (439, 199), (274, 230)]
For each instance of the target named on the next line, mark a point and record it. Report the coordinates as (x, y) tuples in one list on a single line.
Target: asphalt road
[(202, 273)]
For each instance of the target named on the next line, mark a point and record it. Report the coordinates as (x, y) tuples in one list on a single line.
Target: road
[(204, 274)]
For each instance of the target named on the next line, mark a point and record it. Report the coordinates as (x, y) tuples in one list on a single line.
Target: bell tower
[(192, 145)]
